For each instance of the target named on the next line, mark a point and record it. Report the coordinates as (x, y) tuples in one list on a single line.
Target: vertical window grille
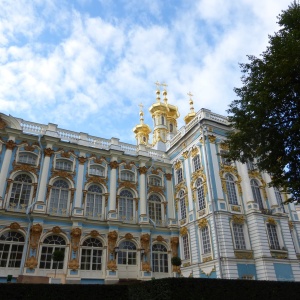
[(231, 191), (159, 258), (94, 202), (179, 175), (155, 211), (239, 239), (256, 193), (273, 238), (127, 253), (182, 205), (91, 255), (126, 206), (205, 240), (20, 192), (200, 194), (11, 249), (186, 248), (196, 163), (59, 198)]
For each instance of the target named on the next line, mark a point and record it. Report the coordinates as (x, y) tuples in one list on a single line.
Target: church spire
[(190, 116), (142, 130)]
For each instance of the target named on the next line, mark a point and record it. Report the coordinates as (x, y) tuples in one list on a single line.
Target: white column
[(170, 196), (113, 187), (10, 145), (143, 196), (79, 183), (270, 191), (246, 188), (45, 170)]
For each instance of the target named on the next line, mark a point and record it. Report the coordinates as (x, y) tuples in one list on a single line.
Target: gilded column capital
[(185, 154), (114, 164), (10, 145), (143, 170), (168, 176), (82, 160)]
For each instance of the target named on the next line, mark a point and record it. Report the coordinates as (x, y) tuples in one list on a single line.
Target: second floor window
[(59, 198), (126, 206), (186, 247), (153, 180), (239, 238), (63, 164), (127, 176), (27, 158), (179, 175), (200, 194), (231, 191), (196, 163), (205, 240), (273, 237), (256, 193), (182, 205), (94, 202), (97, 170), (155, 208)]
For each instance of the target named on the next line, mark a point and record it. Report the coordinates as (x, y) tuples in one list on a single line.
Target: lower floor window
[(127, 253), (159, 258), (91, 255)]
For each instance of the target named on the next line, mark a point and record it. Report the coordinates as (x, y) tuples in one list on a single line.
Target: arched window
[(51, 244), (200, 194), (94, 202), (126, 206), (21, 192), (273, 237), (97, 170), (127, 175), (11, 249), (162, 120), (154, 180), (91, 255), (196, 163), (59, 198), (27, 158), (159, 258), (155, 211), (171, 127), (239, 237), (256, 193), (63, 164), (182, 205), (127, 253), (231, 191)]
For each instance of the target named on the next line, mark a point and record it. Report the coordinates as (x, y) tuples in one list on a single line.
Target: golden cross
[(157, 84), (190, 94), (141, 106), (164, 85)]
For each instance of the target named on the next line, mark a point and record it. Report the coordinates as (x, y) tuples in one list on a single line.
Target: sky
[(86, 65)]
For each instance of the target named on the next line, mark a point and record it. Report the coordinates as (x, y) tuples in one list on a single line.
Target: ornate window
[(63, 164), (126, 206), (91, 255), (200, 194), (256, 193), (59, 199), (279, 198), (127, 175), (273, 237), (205, 240), (179, 175), (154, 180), (196, 162), (127, 253), (11, 249), (155, 209), (186, 247), (51, 244), (238, 234), (27, 158), (231, 191), (21, 192), (182, 205), (94, 202), (97, 170), (159, 258)]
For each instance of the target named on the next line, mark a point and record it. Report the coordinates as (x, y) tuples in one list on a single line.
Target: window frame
[(127, 214), (273, 237), (127, 254), (231, 192), (185, 247), (256, 193), (91, 258), (94, 203), (179, 175), (205, 241), (157, 208), (196, 163), (200, 193), (239, 241), (59, 210), (160, 261), (124, 174), (101, 168), (182, 205), (64, 161), (29, 154)]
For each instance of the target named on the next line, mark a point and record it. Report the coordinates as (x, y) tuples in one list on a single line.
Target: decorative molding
[(14, 226), (183, 231), (31, 263), (159, 238), (143, 170), (271, 221), (238, 219), (94, 233), (48, 152), (279, 254), (75, 238), (65, 154), (145, 240), (233, 170), (291, 225), (168, 176), (111, 265), (174, 246), (177, 165), (112, 239), (35, 234), (23, 167), (114, 164), (212, 138), (128, 184), (206, 259), (29, 148), (194, 151), (10, 145), (185, 154), (146, 267), (202, 223), (56, 230), (63, 174), (224, 146), (243, 254), (73, 264), (128, 236), (97, 179), (156, 189), (82, 160)]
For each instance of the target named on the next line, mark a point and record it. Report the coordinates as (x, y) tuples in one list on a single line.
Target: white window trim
[(66, 160)]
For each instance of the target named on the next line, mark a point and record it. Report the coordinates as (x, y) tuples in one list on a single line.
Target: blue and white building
[(120, 211)]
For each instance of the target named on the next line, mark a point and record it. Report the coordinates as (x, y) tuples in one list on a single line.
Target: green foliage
[(266, 116), (58, 255), (176, 261)]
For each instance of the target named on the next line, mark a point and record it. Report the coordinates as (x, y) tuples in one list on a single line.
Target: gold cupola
[(164, 117), (142, 130), (190, 116)]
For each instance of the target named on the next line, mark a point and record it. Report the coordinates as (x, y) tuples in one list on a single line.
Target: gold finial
[(157, 91), (165, 92), (191, 102), (141, 113), (157, 84)]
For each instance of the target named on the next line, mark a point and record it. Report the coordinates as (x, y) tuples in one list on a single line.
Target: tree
[(266, 116), (57, 256)]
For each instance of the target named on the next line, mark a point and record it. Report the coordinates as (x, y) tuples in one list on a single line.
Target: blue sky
[(87, 64)]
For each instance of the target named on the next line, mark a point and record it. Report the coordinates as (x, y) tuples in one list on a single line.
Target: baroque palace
[(120, 211)]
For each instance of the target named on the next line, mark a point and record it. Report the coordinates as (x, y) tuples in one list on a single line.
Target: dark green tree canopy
[(266, 116)]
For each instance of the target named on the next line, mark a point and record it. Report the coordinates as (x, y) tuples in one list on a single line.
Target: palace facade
[(119, 211)]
